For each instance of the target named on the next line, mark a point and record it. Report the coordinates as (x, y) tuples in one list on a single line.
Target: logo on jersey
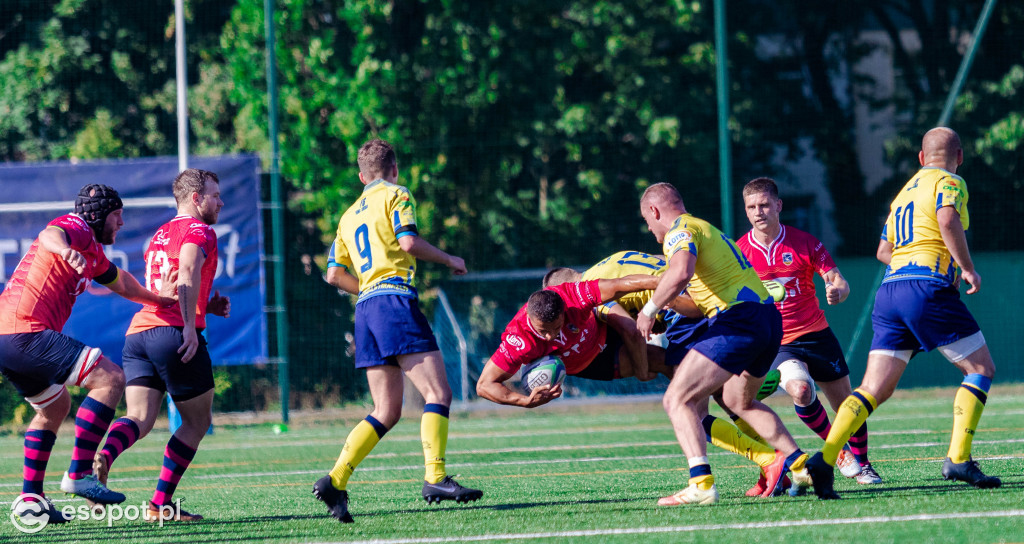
[(684, 236), (573, 328), (787, 258), (515, 341), (161, 238), (362, 205)]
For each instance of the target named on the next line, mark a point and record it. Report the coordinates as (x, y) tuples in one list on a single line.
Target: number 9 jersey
[(162, 255), (367, 241), (723, 277), (913, 228)]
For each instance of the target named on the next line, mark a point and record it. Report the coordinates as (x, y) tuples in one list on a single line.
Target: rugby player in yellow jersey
[(735, 352), (375, 252), (918, 307)]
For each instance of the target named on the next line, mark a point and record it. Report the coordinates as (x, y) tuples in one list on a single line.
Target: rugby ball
[(547, 370), (771, 383), (775, 289)]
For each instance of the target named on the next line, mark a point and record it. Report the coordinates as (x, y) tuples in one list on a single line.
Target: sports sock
[(850, 416), (700, 473), (434, 434), (747, 429), (728, 437), (38, 445), (358, 445), (91, 424), (796, 460), (814, 416), (123, 433), (967, 408), (177, 456), (859, 444)]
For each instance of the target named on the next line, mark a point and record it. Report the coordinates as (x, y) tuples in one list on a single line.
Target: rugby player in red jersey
[(164, 351), (41, 361), (810, 352), (558, 321)]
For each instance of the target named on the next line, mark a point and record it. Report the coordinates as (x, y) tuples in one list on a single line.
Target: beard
[(209, 216), (107, 236)]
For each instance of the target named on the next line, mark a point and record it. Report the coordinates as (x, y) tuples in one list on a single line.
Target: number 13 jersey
[(162, 255), (367, 241)]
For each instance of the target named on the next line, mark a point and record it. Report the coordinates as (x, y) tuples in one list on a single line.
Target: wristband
[(650, 309)]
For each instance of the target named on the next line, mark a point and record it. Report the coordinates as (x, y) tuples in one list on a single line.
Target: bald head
[(941, 147)]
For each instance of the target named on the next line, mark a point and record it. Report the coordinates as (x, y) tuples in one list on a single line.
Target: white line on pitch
[(759, 526)]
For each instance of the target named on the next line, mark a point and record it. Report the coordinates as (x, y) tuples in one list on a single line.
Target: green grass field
[(570, 472)]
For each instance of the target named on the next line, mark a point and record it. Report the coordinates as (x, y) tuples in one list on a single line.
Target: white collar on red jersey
[(768, 250)]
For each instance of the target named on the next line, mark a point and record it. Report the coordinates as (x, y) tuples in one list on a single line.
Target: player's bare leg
[(427, 373), (686, 403)]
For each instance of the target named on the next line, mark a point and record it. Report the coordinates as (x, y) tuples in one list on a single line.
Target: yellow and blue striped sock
[(729, 437), (850, 416), (700, 473), (967, 408), (434, 434), (358, 445), (747, 429)]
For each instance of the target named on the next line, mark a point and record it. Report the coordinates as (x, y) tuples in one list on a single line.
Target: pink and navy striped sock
[(123, 433), (177, 457), (91, 424), (859, 444), (814, 416), (38, 444)]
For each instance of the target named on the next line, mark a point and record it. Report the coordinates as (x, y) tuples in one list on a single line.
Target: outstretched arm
[(128, 287), (614, 288)]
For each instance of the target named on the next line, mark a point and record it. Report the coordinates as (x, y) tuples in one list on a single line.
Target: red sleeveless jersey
[(43, 288), (162, 254), (581, 339), (792, 259)]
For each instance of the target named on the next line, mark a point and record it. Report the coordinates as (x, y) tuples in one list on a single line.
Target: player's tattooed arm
[(190, 265)]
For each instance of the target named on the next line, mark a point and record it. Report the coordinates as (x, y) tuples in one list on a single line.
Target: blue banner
[(34, 194)]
